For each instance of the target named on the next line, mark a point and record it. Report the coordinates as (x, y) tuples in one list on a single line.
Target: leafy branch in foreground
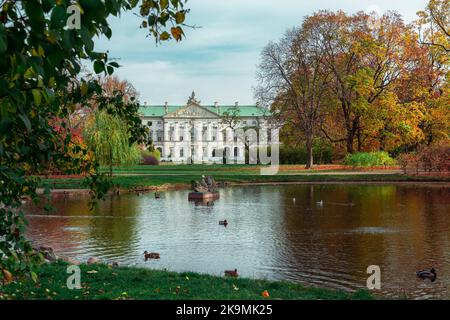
[(40, 86)]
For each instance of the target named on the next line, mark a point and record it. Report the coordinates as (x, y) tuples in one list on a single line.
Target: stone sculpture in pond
[(205, 189)]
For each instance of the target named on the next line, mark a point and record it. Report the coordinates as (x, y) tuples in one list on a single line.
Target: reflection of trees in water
[(397, 227), (116, 232)]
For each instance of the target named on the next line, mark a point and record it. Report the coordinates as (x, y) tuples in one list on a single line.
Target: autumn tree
[(434, 78), (292, 80), (434, 24)]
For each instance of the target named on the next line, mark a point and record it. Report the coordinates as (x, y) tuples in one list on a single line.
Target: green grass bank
[(104, 282)]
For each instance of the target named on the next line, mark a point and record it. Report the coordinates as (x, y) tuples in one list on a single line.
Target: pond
[(327, 237)]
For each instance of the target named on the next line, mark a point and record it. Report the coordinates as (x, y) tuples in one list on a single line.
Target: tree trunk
[(359, 137), (309, 151), (349, 142)]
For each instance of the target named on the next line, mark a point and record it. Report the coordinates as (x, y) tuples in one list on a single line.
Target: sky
[(219, 59)]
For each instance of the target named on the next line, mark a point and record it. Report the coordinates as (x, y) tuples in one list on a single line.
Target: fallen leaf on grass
[(7, 275), (92, 271)]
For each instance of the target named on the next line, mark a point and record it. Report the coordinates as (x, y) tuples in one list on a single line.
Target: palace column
[(166, 150), (176, 138), (198, 137), (210, 144)]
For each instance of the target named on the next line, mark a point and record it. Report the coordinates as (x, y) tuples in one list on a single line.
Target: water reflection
[(328, 236)]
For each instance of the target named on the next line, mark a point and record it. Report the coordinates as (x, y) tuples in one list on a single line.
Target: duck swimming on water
[(427, 274), (150, 255), (231, 273)]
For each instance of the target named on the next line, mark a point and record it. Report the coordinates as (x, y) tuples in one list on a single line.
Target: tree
[(292, 80), (435, 20), (366, 64), (107, 136), (40, 57), (433, 31)]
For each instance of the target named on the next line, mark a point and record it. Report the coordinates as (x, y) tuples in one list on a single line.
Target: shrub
[(322, 153), (406, 160), (150, 161), (369, 159), (150, 157), (435, 157)]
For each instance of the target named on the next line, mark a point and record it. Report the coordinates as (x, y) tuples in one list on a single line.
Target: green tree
[(40, 57), (107, 136)]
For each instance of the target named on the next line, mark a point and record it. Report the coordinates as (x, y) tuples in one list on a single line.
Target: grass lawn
[(182, 177), (104, 282)]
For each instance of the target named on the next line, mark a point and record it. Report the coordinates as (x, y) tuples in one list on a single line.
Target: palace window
[(181, 138), (159, 135), (181, 152), (149, 123)]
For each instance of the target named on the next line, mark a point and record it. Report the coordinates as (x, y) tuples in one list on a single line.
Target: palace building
[(195, 133)]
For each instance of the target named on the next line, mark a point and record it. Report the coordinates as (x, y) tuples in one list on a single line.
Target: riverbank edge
[(255, 180), (104, 282)]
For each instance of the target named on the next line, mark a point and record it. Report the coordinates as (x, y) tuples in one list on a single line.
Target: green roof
[(244, 111)]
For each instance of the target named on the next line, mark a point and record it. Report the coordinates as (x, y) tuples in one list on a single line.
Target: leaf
[(177, 33), (84, 89), (36, 96), (34, 277), (152, 19), (179, 17), (3, 40), (58, 18), (26, 121), (164, 36), (7, 275), (163, 4), (99, 66), (87, 39)]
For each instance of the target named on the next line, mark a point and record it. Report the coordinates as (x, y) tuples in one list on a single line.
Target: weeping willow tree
[(107, 136)]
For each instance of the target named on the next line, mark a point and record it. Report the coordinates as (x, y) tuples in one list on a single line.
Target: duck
[(150, 255), (223, 222), (427, 274), (231, 273), (157, 195)]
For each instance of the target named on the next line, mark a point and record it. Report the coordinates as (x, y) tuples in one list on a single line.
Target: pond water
[(327, 237)]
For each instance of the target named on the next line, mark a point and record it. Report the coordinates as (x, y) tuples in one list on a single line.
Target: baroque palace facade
[(196, 133)]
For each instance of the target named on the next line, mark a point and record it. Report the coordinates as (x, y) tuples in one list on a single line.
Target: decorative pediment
[(192, 110)]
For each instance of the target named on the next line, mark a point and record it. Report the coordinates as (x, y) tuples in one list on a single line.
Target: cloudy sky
[(219, 59)]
